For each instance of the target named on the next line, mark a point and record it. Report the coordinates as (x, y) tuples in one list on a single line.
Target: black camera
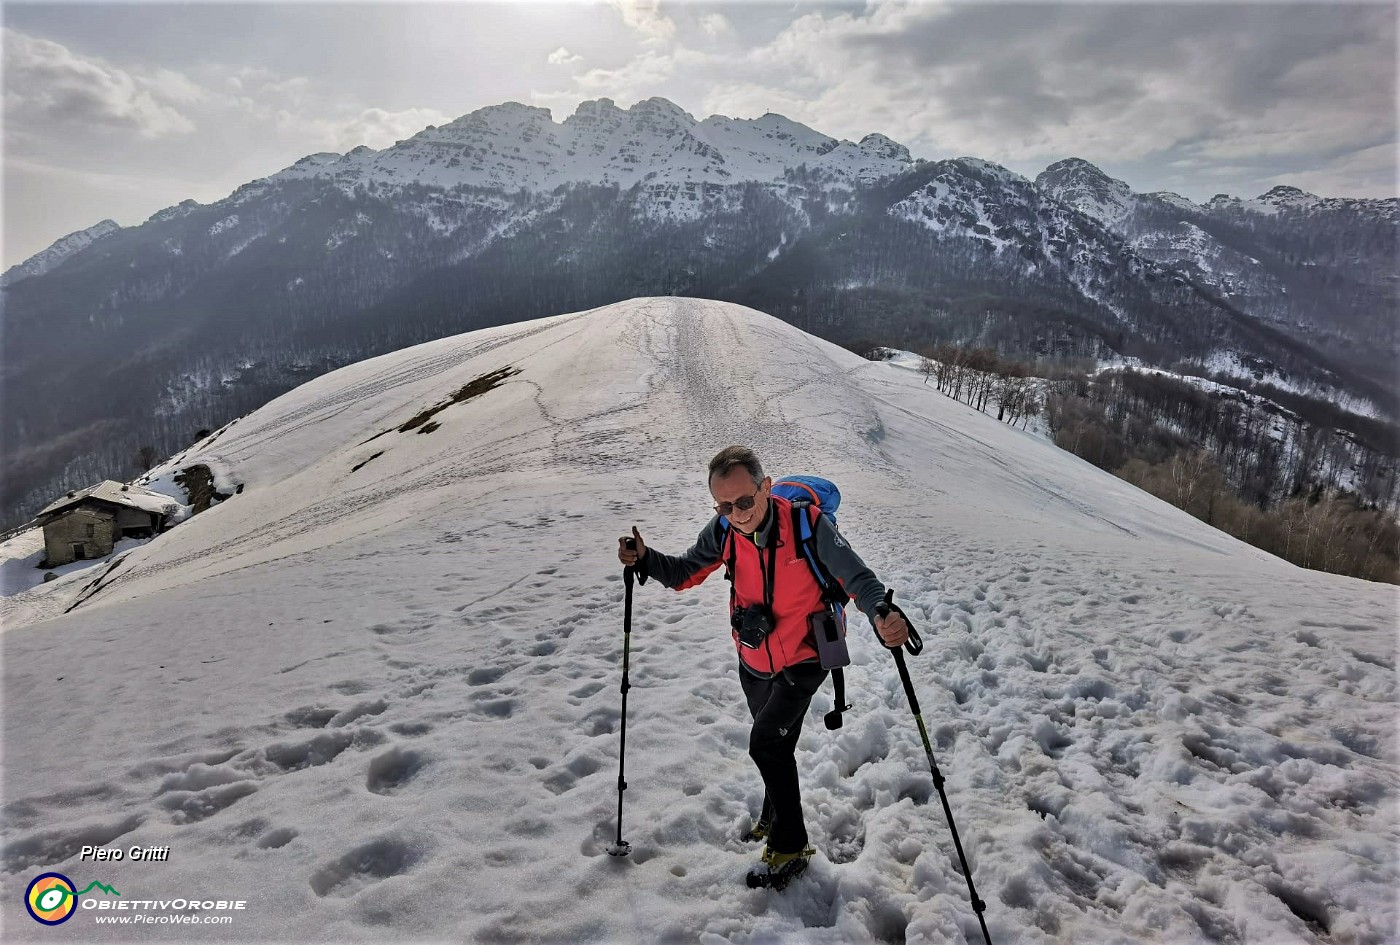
[(753, 623)]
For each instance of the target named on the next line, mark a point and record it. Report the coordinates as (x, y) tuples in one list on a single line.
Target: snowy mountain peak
[(596, 107), (886, 148), (990, 170), (662, 106), (1077, 167), (1173, 199), (46, 259), (1086, 188), (1283, 191), (182, 209), (319, 159), (655, 142), (1285, 197), (1292, 200)]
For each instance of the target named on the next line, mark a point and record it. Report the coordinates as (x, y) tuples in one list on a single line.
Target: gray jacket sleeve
[(846, 566), (691, 567)]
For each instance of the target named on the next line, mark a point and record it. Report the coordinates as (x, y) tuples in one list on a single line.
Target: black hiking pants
[(778, 706)]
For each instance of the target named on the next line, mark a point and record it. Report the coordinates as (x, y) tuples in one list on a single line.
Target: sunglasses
[(743, 504)]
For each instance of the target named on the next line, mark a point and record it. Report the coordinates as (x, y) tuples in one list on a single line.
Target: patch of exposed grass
[(358, 466), (421, 420), (475, 388)]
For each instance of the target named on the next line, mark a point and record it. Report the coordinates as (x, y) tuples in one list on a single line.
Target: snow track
[(381, 704)]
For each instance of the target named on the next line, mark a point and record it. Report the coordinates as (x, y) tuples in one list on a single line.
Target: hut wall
[(94, 529)]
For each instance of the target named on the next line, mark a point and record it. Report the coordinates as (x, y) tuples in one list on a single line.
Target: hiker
[(772, 594)]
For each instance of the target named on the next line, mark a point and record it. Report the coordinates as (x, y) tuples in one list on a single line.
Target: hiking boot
[(776, 870), (759, 831)]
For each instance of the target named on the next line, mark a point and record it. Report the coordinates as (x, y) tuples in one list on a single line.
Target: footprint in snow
[(363, 866), (276, 839), (319, 750), (311, 716), (393, 769), (188, 807), (55, 846), (583, 692), (489, 705), (410, 729), (572, 771), (601, 721), (486, 675), (846, 837), (358, 711)]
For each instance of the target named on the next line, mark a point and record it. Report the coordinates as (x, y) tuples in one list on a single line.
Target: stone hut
[(87, 524)]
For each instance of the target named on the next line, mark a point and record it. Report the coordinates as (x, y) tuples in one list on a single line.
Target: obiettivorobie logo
[(52, 898)]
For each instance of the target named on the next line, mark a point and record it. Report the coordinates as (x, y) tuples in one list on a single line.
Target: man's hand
[(631, 556), (892, 629)]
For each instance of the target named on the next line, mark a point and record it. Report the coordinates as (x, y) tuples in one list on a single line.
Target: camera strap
[(729, 571), (769, 572), (770, 576)]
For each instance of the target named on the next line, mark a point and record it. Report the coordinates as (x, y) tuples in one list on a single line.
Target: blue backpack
[(813, 491)]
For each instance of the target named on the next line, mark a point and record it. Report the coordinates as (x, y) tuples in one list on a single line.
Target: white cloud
[(1243, 84), (46, 82), (379, 129), (562, 57), (645, 17), (636, 80), (716, 25)]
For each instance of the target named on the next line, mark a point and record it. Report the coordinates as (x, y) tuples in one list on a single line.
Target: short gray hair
[(732, 456)]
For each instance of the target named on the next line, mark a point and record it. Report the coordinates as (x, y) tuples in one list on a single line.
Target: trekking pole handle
[(915, 643), (630, 569)]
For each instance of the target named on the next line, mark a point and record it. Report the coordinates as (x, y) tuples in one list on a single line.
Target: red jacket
[(795, 592)]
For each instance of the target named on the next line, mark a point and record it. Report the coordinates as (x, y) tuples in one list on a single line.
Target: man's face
[(736, 485)]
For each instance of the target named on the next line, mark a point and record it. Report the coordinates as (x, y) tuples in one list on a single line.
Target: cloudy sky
[(117, 110)]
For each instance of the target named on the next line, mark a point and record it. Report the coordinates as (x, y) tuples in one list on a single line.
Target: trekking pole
[(622, 847), (915, 645)]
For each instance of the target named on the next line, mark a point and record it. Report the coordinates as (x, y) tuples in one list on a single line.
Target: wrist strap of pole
[(915, 643)]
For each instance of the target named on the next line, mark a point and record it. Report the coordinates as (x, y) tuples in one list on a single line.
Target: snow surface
[(382, 705)]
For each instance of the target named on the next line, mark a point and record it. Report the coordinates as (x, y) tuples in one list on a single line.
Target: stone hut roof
[(112, 493)]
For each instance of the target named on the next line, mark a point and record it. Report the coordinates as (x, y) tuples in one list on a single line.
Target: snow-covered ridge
[(972, 197), (62, 248), (655, 142), (1151, 732), (1284, 199)]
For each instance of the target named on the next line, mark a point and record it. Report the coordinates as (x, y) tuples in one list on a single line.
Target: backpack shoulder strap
[(802, 529)]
